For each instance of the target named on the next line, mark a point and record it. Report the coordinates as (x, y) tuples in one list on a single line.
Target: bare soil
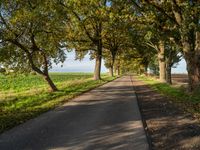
[(168, 126), (181, 78)]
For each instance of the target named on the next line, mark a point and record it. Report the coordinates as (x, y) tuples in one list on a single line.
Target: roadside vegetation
[(130, 36), (143, 37), (190, 102), (24, 97)]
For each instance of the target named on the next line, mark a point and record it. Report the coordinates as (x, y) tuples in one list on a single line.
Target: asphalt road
[(106, 118)]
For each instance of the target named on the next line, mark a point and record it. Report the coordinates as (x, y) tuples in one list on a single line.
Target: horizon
[(86, 65)]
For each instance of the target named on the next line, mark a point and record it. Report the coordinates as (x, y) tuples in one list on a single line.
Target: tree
[(116, 31), (87, 22), (31, 33), (185, 18), (154, 66), (172, 57)]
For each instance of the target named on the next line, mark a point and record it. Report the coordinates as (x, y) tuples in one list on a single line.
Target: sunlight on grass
[(22, 99)]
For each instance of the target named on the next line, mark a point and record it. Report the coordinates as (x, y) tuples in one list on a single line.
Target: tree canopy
[(131, 36)]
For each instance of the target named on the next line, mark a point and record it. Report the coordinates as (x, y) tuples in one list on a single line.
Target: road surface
[(106, 118)]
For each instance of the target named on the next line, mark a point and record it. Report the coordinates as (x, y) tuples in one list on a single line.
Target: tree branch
[(30, 58), (162, 11)]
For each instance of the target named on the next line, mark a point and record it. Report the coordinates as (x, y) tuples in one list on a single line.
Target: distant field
[(181, 78), (23, 82), (178, 78), (24, 97)]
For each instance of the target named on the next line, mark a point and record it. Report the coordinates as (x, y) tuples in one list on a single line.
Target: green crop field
[(26, 82), (24, 97)]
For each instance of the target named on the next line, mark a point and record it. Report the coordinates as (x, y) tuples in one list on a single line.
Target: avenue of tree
[(130, 35)]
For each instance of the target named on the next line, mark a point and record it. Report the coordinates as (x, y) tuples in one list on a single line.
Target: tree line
[(128, 35)]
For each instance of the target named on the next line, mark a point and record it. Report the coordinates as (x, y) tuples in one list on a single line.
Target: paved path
[(106, 118)]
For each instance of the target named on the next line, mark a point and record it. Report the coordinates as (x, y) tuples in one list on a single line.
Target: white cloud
[(71, 65)]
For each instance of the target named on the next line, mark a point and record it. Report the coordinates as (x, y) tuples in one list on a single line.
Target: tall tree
[(116, 31), (31, 32), (184, 15), (172, 57), (87, 21)]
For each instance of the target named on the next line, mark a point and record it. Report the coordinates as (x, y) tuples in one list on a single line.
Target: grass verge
[(29, 105), (190, 102)]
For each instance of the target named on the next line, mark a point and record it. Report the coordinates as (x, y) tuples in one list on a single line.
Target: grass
[(25, 82), (188, 101), (25, 97)]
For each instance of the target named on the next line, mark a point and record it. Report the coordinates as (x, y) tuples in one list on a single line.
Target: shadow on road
[(108, 119)]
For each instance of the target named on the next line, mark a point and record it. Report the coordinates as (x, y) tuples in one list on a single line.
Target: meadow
[(23, 97)]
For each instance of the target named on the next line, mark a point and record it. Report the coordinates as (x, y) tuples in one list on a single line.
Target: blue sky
[(180, 68), (71, 65), (87, 65)]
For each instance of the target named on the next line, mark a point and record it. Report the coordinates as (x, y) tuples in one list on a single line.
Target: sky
[(87, 65), (180, 68), (71, 65)]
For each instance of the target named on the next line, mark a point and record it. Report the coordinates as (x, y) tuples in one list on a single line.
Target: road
[(106, 118)]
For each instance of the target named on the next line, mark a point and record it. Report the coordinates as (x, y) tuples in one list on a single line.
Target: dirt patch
[(181, 78), (169, 127)]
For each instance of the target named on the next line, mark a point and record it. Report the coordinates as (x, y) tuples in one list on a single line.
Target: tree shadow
[(169, 126), (104, 121)]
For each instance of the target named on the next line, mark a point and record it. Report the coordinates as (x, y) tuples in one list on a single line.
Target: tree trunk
[(161, 60), (118, 70), (50, 83), (141, 67), (97, 70), (146, 69), (168, 74), (111, 71), (45, 75), (193, 68), (192, 58), (191, 50), (169, 64), (115, 70), (38, 70)]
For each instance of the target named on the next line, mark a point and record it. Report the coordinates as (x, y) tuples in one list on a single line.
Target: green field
[(24, 97)]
